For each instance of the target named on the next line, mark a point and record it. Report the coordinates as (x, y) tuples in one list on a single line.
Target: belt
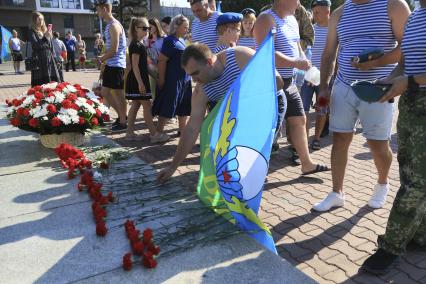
[(287, 82)]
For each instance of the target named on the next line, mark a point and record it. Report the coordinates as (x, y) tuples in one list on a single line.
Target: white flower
[(103, 108), (38, 111), (92, 96), (50, 100), (10, 110), (80, 101), (45, 118), (70, 89), (27, 101), (97, 175), (66, 119), (89, 108), (49, 86), (59, 97)]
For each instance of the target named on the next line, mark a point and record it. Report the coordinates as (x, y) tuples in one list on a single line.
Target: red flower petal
[(101, 229)]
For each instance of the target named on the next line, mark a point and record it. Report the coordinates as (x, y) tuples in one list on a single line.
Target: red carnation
[(81, 120), (110, 197), (81, 93), (154, 249), (95, 205), (71, 97), (147, 235), (127, 261), (101, 229), (77, 86), (98, 113), (55, 122), (31, 91), (104, 200), (133, 235), (106, 117), (8, 102), (150, 263), (16, 102), (38, 95), (89, 102), (94, 121), (20, 112), (66, 103), (26, 112), (322, 101), (34, 103), (138, 247), (15, 121), (129, 224), (51, 108), (37, 88), (80, 186), (33, 122)]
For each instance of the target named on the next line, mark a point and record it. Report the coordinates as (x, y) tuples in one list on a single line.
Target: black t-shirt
[(137, 47)]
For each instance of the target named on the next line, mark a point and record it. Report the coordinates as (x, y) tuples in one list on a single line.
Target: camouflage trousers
[(407, 219)]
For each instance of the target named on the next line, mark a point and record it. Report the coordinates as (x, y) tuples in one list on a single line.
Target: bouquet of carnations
[(55, 108)]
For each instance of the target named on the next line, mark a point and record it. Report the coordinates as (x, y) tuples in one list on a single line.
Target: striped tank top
[(363, 26), (319, 45), (286, 39), (216, 89), (205, 32), (119, 59), (219, 48), (247, 42), (413, 44)]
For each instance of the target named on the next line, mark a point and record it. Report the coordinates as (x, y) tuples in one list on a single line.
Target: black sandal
[(318, 169), (315, 145)]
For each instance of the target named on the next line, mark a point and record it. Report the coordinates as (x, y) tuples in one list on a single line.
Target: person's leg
[(420, 236), (73, 61), (161, 123), (106, 93), (67, 64), (339, 159), (297, 127), (132, 117), (182, 122), (121, 104), (382, 156), (320, 121), (306, 93), (147, 116)]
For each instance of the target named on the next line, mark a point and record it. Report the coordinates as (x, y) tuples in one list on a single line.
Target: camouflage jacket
[(306, 29)]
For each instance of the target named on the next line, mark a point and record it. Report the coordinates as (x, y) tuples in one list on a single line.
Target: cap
[(248, 11), (227, 18), (320, 3)]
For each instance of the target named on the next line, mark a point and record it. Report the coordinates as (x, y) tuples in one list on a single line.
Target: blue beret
[(320, 3), (227, 18)]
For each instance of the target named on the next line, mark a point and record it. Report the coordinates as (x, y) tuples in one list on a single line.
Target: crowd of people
[(173, 74)]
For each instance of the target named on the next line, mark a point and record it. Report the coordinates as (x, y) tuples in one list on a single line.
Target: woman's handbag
[(31, 63)]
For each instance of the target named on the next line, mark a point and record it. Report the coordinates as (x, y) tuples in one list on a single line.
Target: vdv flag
[(236, 141), (5, 37), (219, 6)]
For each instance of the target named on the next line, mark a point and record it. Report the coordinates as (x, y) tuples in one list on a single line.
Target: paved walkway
[(329, 247)]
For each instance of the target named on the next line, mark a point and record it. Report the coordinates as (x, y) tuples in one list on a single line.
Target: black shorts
[(294, 101), (16, 56), (113, 78)]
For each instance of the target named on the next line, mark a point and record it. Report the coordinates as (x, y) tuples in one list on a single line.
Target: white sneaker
[(333, 199), (378, 198), (160, 138)]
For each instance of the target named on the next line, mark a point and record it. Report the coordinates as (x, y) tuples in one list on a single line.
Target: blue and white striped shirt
[(205, 32), (216, 89), (286, 39), (219, 48), (119, 59), (364, 26), (247, 42), (413, 44), (319, 45)]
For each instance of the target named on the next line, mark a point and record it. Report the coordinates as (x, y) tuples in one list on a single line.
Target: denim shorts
[(346, 109)]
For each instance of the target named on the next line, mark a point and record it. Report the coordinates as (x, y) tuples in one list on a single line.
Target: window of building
[(14, 3), (68, 21), (49, 3), (47, 18), (88, 4), (71, 4)]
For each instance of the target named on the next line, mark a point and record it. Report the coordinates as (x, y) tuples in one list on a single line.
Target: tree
[(239, 5), (126, 9)]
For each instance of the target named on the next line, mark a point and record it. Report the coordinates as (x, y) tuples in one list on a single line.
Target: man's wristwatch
[(412, 84)]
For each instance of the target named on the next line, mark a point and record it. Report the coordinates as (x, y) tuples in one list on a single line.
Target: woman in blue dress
[(175, 91)]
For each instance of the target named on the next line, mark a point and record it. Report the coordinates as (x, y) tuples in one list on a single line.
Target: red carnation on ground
[(94, 121), (138, 248), (33, 122), (149, 263), (110, 197), (51, 108), (66, 103), (127, 261), (104, 200), (154, 249), (80, 186), (55, 122), (133, 235), (15, 121), (147, 235), (101, 229)]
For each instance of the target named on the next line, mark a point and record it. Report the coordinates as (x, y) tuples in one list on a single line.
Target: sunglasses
[(247, 11), (144, 28)]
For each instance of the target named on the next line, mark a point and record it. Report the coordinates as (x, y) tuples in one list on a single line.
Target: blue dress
[(175, 98)]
